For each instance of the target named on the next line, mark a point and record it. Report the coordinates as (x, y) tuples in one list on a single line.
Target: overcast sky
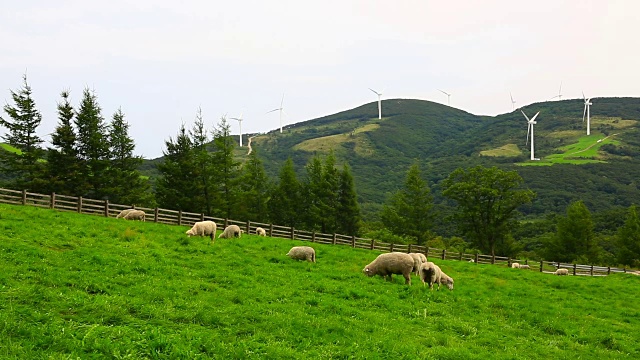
[(160, 60)]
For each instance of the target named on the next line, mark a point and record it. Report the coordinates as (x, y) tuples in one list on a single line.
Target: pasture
[(83, 286)]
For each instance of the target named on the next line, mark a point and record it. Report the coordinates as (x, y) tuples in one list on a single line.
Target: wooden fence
[(178, 217)]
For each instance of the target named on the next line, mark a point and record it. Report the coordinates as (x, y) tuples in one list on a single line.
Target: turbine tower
[(530, 123), (379, 103), (281, 109), (448, 97), (513, 102), (587, 106), (239, 123)]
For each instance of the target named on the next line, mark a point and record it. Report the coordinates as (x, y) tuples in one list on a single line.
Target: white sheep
[(123, 213), (135, 215), (472, 261), (524, 266), (203, 228), (515, 265), (562, 272), (418, 260), (388, 264), (302, 253), (261, 232), (432, 274), (230, 232)]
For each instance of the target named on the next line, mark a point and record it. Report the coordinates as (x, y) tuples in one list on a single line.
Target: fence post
[(353, 241), (591, 270), (444, 253), (493, 259), (226, 223), (155, 215), (335, 239), (609, 270), (391, 247), (460, 256), (409, 248), (52, 203), (24, 197), (427, 252), (313, 236), (293, 232), (372, 244), (575, 266), (201, 216), (476, 257), (179, 217), (106, 208), (508, 262), (526, 262), (79, 204), (624, 270), (541, 263), (248, 227), (270, 230)]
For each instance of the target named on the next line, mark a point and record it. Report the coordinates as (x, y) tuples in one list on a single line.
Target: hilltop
[(91, 286)]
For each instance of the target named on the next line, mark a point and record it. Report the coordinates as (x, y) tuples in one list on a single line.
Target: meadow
[(82, 286)]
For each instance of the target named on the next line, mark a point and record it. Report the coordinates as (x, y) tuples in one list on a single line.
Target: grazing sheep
[(391, 263), (431, 273), (135, 215), (230, 232), (472, 260), (203, 228), (418, 260), (261, 232), (562, 272), (524, 266), (123, 213), (515, 265), (302, 253)]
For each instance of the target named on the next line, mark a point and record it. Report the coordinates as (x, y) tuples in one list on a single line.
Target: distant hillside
[(442, 138)]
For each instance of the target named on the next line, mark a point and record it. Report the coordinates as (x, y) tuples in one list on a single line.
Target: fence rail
[(177, 217)]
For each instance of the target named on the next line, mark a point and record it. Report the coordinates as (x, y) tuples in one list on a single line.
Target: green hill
[(95, 287)]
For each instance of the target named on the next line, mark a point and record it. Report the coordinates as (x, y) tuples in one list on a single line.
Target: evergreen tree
[(575, 237), (23, 119), (255, 190), (125, 184), (62, 160), (204, 165), (92, 146), (408, 212), (348, 217), (629, 239), (329, 199), (226, 169), (175, 188), (312, 190), (285, 200)]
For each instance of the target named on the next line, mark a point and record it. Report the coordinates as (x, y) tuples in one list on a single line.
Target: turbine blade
[(584, 112), (375, 92), (272, 111), (525, 115), (534, 117), (511, 97), (282, 101), (528, 128), (583, 95)]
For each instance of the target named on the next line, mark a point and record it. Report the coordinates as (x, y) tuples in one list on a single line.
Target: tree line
[(200, 173)]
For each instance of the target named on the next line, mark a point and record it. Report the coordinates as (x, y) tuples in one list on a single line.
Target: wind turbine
[(281, 111), (559, 96), (448, 96), (513, 102), (530, 123), (587, 105), (379, 103), (239, 123)]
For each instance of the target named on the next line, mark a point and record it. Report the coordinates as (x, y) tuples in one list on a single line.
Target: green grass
[(505, 150), (10, 148), (81, 286), (585, 151)]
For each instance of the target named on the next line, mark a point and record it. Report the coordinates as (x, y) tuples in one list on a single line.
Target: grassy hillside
[(80, 286)]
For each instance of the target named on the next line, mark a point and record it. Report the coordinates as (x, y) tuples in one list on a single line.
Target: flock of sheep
[(384, 265)]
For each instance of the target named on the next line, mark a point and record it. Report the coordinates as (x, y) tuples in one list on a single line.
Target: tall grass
[(80, 286)]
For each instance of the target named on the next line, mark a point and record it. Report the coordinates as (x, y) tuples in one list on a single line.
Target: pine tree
[(62, 160), (575, 236), (125, 184), (285, 200), (408, 211), (204, 165), (629, 239), (312, 190), (92, 146), (175, 188), (330, 189), (255, 190), (349, 219), (22, 121), (226, 169)]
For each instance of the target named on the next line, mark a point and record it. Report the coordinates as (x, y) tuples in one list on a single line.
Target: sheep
[(302, 253), (472, 260), (515, 265), (261, 232), (524, 266), (418, 260), (123, 213), (562, 272), (388, 264), (203, 228), (231, 231), (431, 273), (135, 215)]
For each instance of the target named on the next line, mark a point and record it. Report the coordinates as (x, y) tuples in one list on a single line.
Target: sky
[(159, 61)]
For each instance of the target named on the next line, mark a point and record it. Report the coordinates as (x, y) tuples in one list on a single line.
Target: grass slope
[(80, 286)]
